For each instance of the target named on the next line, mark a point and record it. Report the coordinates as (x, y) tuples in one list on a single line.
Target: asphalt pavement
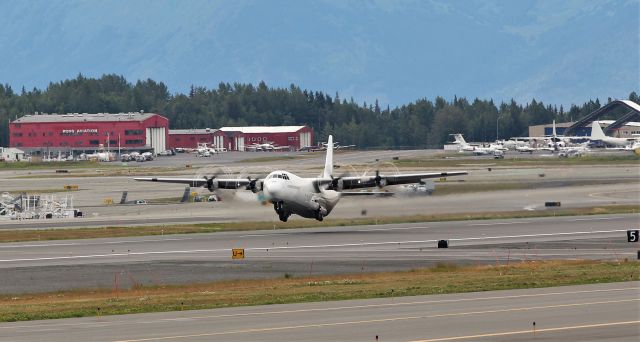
[(600, 312), (177, 259)]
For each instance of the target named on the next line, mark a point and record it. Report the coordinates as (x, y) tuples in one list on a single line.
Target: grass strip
[(441, 279), (23, 165), (111, 232)]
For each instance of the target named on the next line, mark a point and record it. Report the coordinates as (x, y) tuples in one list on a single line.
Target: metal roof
[(263, 129), (83, 117), (609, 122), (192, 131), (629, 105)]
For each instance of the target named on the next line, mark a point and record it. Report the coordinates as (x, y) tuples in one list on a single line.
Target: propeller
[(211, 183), (380, 181), (255, 185), (336, 183)]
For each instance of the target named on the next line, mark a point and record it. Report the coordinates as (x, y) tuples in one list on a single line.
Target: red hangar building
[(241, 138), (82, 132), (190, 138)]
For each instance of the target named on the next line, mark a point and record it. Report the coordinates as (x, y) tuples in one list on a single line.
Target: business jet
[(312, 198)]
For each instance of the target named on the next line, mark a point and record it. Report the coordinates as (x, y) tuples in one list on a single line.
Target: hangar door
[(240, 143), (305, 139), (156, 139)]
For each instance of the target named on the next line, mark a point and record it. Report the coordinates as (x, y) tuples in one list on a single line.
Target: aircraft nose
[(272, 189)]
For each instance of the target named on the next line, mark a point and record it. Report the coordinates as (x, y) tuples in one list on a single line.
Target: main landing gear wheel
[(283, 217), (319, 216), (282, 213)]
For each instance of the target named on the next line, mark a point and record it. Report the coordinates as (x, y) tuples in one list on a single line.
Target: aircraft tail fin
[(596, 131), (328, 163), (459, 139)]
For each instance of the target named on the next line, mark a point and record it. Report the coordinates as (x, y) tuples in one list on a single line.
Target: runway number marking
[(237, 253), (632, 235)]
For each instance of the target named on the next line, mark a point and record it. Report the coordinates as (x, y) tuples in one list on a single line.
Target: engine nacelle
[(255, 185), (337, 184), (382, 182), (212, 184)]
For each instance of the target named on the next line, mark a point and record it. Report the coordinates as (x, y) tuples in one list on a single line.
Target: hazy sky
[(560, 52)]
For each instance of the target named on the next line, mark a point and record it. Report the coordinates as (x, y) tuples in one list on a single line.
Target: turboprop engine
[(255, 185), (212, 184)]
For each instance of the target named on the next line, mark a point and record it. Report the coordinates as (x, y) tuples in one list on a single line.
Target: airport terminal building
[(40, 134)]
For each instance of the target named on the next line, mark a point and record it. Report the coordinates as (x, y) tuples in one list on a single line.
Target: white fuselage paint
[(299, 195)]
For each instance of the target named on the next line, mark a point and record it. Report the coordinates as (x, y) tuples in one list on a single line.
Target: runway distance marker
[(237, 253), (633, 235)]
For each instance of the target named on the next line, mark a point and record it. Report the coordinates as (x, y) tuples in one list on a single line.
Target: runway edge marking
[(529, 331)]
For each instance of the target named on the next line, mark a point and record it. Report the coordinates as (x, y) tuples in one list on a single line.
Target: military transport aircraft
[(307, 197)]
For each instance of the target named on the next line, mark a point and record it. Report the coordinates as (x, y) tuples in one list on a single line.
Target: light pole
[(497, 119)]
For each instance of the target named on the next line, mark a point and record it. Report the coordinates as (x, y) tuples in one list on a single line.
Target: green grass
[(51, 165), (89, 233), (441, 279)]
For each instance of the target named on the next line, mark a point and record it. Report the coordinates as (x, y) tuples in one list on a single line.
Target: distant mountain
[(560, 52)]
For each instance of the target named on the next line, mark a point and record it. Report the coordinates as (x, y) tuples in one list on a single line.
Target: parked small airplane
[(337, 146), (464, 146), (266, 147), (307, 197), (525, 149)]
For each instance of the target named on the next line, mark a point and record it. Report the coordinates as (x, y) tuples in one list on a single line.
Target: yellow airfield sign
[(237, 253)]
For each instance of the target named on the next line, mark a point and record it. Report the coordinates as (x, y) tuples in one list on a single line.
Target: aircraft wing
[(383, 180), (196, 182)]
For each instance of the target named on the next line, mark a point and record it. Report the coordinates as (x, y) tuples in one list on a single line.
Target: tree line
[(422, 123)]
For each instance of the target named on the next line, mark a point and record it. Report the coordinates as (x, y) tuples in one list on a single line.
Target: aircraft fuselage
[(291, 194)]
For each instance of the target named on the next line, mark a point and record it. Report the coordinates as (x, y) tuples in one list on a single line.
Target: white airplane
[(307, 197), (337, 146), (513, 144), (525, 149), (553, 142), (464, 146), (598, 135), (266, 147)]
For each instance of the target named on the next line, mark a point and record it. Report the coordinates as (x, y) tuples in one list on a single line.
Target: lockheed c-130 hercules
[(307, 197)]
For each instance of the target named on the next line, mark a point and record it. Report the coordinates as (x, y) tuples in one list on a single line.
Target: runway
[(244, 206), (600, 312), (175, 259)]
